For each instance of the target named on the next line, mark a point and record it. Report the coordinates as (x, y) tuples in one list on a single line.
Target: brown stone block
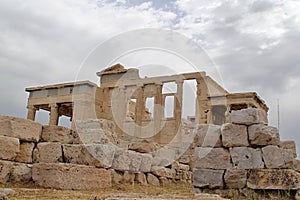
[(276, 157), (26, 152), (48, 152), (23, 129), (208, 135), (274, 179), (70, 177), (57, 134), (261, 135), (235, 178), (289, 144), (9, 148)]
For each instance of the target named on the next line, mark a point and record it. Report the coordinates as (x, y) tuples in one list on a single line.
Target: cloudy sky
[(253, 43)]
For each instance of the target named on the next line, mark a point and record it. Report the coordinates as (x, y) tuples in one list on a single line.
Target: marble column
[(53, 114)]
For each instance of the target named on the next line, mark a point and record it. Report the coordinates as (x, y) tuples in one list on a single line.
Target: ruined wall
[(229, 156)]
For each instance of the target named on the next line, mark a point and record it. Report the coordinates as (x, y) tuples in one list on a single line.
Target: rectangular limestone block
[(5, 170), (262, 135), (235, 178), (70, 177), (296, 165), (276, 157), (274, 179), (249, 116), (99, 155), (48, 152), (58, 134), (289, 144), (246, 157), (26, 152), (212, 158), (23, 129), (9, 148), (208, 135), (234, 135), (208, 178)]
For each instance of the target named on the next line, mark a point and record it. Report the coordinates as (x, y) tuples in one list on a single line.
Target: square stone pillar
[(202, 107), (31, 112), (139, 110), (178, 103), (158, 108), (53, 114)]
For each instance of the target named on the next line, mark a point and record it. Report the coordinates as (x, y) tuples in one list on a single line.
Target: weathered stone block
[(21, 173), (208, 135), (235, 178), (208, 178), (289, 144), (163, 172), (246, 157), (146, 162), (234, 135), (99, 155), (180, 167), (274, 179), (57, 134), (276, 157), (48, 152), (9, 148), (152, 180), (70, 177), (93, 136), (261, 135), (121, 160), (5, 171), (212, 158), (26, 152), (23, 129), (249, 116), (164, 156)]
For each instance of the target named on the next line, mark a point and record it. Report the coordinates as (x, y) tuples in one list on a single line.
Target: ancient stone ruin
[(114, 137)]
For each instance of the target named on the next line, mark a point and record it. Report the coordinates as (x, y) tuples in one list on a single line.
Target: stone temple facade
[(122, 96)]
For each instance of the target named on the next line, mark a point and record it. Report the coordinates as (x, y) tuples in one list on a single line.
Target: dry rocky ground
[(134, 192)]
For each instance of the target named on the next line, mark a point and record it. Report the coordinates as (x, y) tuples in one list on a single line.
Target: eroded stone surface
[(261, 135), (9, 148), (235, 178), (249, 116), (246, 157), (276, 157), (26, 152), (21, 173), (152, 180), (48, 152), (274, 179), (208, 178), (163, 172), (212, 158), (5, 170), (289, 144), (69, 176), (57, 134), (234, 135), (23, 129), (208, 135)]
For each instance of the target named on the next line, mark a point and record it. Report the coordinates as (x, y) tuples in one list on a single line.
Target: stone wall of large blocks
[(244, 153)]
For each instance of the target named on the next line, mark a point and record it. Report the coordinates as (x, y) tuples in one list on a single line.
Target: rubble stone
[(141, 178), (246, 157), (261, 135), (163, 172), (234, 135), (208, 135), (249, 116), (235, 178), (212, 158), (276, 157), (48, 152), (9, 148), (23, 129), (208, 178), (152, 180), (26, 152), (70, 177), (274, 179)]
